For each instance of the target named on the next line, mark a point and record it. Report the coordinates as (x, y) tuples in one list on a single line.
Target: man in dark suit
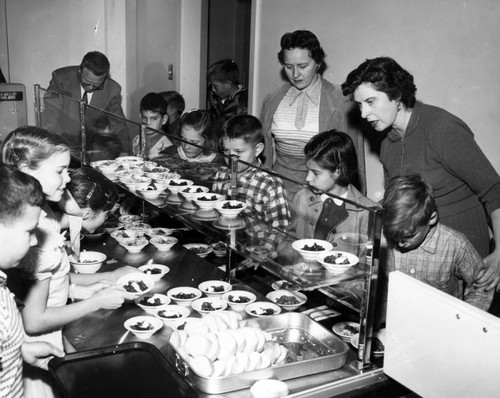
[(88, 82)]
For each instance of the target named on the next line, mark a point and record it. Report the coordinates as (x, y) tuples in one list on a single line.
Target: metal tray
[(290, 328), (127, 370)]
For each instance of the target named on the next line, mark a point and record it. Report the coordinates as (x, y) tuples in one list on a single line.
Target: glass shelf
[(257, 234)]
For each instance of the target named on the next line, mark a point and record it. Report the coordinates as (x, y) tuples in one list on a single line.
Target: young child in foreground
[(332, 162), (425, 249), (46, 157), (154, 117), (264, 193), (21, 199)]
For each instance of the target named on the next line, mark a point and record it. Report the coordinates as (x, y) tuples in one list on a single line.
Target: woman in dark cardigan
[(437, 145)]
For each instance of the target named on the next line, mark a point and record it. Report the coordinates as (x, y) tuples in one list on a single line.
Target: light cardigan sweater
[(335, 112)]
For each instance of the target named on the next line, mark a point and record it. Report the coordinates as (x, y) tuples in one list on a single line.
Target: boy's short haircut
[(246, 127), (18, 191), (154, 102), (225, 70), (175, 100), (334, 151), (408, 204)]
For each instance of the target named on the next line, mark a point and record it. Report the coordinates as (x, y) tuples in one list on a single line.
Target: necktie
[(300, 116), (85, 98)]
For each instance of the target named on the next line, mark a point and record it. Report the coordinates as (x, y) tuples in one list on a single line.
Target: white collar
[(338, 202)]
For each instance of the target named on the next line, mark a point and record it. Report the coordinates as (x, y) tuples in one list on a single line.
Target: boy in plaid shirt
[(263, 193), (424, 248)]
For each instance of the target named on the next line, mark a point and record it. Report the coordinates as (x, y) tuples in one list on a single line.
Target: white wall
[(44, 35), (191, 59), (140, 38), (452, 48)]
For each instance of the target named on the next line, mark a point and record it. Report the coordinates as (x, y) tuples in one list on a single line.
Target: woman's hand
[(489, 276), (39, 353)]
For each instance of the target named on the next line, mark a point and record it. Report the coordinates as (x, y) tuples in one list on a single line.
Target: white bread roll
[(198, 344), (272, 350), (219, 368), (261, 336), (269, 389), (243, 360), (250, 338), (213, 351), (240, 339), (211, 321), (230, 365), (196, 326), (202, 366), (255, 360), (178, 338), (228, 345)]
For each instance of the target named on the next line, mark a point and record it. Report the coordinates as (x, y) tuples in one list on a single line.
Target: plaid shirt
[(266, 200), (443, 258)]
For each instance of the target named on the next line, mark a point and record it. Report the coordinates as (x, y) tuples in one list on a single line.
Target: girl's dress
[(51, 262)]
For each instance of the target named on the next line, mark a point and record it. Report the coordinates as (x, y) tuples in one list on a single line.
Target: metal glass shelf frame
[(251, 234)]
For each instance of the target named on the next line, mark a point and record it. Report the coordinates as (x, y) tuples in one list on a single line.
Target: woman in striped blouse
[(301, 108)]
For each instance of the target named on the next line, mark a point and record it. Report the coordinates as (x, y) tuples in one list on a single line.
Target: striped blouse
[(11, 339), (288, 139)]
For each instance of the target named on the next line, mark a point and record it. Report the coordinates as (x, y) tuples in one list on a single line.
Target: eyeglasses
[(92, 86), (89, 87)]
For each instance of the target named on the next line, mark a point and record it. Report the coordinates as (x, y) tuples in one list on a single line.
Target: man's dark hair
[(96, 62)]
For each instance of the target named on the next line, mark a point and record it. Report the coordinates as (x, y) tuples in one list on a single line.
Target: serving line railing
[(77, 128)]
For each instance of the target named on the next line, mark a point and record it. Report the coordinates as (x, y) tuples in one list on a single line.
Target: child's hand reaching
[(39, 353), (83, 292), (111, 297)]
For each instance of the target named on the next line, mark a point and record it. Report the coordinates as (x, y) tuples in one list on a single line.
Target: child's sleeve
[(135, 145), (468, 265), (277, 214), (220, 183)]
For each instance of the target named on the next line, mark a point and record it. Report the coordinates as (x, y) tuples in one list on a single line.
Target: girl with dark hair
[(302, 107), (426, 140), (331, 162)]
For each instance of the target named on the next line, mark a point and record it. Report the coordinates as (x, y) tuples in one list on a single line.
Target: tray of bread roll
[(221, 352)]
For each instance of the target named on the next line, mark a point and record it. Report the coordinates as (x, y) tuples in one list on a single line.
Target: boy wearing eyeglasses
[(90, 83)]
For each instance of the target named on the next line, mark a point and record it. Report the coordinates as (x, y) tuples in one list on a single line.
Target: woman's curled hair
[(387, 76)]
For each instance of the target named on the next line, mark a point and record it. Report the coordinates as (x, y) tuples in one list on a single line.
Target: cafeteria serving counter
[(104, 328)]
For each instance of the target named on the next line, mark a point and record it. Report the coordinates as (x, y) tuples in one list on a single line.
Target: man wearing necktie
[(89, 82)]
